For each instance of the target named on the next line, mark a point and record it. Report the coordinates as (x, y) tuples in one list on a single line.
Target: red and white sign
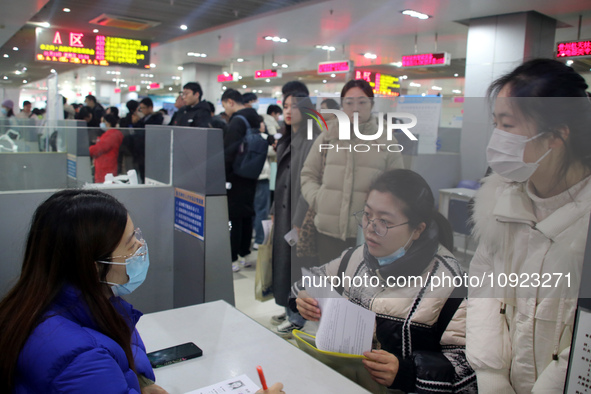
[(225, 77), (155, 86), (259, 74), (342, 66), (427, 60), (117, 90), (574, 49), (133, 88)]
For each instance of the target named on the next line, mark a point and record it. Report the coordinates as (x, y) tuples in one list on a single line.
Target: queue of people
[(531, 216)]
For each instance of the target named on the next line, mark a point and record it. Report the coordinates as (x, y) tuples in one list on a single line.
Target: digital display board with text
[(74, 47), (387, 85)]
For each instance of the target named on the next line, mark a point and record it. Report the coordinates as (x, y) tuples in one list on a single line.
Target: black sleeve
[(424, 371)]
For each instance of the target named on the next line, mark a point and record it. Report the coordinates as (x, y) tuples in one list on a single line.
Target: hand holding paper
[(344, 327)]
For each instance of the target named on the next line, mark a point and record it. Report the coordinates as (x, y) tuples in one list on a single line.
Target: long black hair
[(418, 202), (304, 104), (70, 231)]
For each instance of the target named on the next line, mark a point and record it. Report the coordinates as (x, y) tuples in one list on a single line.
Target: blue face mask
[(136, 268), (103, 126), (4, 111), (382, 261), (255, 106)]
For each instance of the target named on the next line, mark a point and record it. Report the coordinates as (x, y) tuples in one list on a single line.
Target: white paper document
[(291, 237), (344, 327), (238, 385)]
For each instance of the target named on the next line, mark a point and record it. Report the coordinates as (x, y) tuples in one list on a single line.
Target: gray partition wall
[(31, 170), (156, 292), (77, 145), (184, 270), (202, 269)]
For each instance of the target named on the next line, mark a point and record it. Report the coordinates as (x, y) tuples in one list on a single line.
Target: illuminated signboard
[(225, 77), (73, 47), (155, 85), (574, 49), (267, 74), (387, 85), (426, 60), (342, 66)]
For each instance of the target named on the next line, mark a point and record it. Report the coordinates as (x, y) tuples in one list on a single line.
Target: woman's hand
[(382, 366), (277, 388), (307, 306), (153, 389)]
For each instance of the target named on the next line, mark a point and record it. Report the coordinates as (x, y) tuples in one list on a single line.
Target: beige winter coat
[(512, 352), (342, 189)]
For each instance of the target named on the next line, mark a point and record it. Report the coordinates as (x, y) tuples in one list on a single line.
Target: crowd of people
[(531, 215)]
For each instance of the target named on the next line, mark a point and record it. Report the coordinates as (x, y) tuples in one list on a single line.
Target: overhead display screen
[(334, 67), (387, 85), (66, 46), (426, 60), (574, 49)]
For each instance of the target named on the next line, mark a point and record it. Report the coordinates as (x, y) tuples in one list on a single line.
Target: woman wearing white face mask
[(419, 337), (531, 219)]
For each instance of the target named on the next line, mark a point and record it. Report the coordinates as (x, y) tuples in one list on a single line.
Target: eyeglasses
[(380, 226), (351, 101), (141, 251)]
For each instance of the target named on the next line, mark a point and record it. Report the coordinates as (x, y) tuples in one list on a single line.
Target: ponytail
[(445, 233)]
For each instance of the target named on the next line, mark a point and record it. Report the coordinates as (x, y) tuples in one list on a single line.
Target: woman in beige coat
[(337, 190)]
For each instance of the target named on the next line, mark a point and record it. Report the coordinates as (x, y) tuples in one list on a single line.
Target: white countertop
[(233, 344)]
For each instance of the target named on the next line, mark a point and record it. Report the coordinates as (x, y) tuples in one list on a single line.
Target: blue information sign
[(71, 166), (189, 210)]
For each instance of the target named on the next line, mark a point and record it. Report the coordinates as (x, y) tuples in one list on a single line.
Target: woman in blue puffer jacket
[(63, 326)]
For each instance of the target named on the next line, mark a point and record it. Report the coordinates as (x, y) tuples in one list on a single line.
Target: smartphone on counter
[(175, 354)]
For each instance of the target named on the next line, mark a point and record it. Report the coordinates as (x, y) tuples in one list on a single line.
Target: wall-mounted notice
[(71, 166), (579, 373), (428, 113), (189, 211)]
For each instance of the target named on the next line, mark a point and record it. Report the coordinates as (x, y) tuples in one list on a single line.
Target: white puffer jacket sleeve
[(488, 345)]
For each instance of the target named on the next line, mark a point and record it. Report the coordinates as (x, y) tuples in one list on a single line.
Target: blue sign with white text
[(189, 211)]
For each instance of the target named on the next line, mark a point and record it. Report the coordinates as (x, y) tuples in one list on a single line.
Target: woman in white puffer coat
[(531, 218)]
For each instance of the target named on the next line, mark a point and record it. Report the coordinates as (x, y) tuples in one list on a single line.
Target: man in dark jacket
[(196, 112), (97, 110), (148, 116), (241, 193)]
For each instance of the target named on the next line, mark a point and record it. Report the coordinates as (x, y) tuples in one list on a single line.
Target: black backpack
[(252, 153)]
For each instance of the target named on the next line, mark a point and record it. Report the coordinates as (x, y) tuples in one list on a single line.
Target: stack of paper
[(344, 327)]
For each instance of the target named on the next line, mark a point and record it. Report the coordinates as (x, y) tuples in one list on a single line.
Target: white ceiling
[(352, 26)]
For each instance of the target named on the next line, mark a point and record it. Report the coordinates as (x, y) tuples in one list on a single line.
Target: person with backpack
[(420, 331), (245, 153)]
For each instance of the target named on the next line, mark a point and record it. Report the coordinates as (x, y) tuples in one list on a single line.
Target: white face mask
[(504, 154)]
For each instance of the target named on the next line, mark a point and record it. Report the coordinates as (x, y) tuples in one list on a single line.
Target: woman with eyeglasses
[(335, 181), (419, 338), (64, 326)]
